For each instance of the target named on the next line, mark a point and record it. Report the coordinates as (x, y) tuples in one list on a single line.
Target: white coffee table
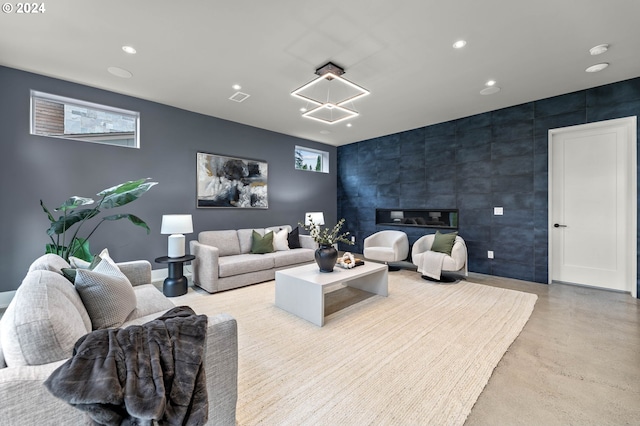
[(300, 290)]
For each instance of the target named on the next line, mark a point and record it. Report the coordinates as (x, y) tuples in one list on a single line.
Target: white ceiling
[(190, 53)]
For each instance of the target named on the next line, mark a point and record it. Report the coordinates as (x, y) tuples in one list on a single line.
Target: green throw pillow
[(260, 244), (443, 243)]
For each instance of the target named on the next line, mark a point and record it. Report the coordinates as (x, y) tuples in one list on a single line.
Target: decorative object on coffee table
[(349, 261), (176, 283), (326, 255)]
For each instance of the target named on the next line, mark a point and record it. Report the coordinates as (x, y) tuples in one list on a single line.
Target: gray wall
[(36, 167), (498, 158)]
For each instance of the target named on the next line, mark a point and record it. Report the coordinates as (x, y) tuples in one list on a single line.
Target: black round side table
[(176, 283)]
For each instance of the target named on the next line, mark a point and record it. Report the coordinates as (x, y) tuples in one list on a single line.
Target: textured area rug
[(422, 355)]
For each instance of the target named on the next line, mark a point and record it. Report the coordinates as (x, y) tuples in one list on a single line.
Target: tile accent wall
[(494, 159)]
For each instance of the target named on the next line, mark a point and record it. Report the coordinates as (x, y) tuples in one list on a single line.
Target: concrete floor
[(577, 361)]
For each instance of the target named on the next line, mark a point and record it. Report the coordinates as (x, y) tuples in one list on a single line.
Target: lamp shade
[(316, 217), (176, 224)]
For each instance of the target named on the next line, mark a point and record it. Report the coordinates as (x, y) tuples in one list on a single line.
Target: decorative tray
[(345, 262)]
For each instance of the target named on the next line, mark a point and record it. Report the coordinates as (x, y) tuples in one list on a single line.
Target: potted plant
[(326, 255), (65, 243)]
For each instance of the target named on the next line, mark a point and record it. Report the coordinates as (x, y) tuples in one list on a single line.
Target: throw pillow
[(280, 242), (106, 293), (443, 243), (294, 239), (70, 273), (260, 244), (78, 263)]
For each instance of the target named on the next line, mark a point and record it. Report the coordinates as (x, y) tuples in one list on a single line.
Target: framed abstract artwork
[(231, 182)]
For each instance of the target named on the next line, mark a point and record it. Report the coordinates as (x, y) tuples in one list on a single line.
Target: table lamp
[(176, 225), (317, 217)]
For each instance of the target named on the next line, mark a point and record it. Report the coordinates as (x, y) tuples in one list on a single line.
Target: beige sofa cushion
[(150, 301), (226, 241), (244, 263), (292, 257), (49, 262), (43, 321)]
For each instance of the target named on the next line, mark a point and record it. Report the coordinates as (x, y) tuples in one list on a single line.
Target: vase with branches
[(64, 231), (326, 255)]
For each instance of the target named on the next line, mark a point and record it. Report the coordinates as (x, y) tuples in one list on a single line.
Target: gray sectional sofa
[(224, 260), (47, 316)]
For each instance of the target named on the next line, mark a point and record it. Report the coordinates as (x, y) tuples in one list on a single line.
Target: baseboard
[(5, 298)]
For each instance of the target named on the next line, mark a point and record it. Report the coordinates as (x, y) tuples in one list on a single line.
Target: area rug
[(420, 356)]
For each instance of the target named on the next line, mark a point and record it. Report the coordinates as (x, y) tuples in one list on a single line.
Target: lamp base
[(176, 245)]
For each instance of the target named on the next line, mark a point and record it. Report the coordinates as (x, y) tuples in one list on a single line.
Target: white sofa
[(224, 260), (47, 316)]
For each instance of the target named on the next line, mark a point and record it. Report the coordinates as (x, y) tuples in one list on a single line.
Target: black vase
[(326, 257)]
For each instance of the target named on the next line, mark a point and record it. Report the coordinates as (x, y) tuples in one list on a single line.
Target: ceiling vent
[(239, 97)]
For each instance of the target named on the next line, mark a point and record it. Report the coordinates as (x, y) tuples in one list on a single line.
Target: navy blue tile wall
[(498, 158)]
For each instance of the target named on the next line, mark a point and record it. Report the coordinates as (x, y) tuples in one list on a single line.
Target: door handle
[(557, 225)]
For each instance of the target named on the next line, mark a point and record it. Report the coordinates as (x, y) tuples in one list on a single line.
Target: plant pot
[(326, 257)]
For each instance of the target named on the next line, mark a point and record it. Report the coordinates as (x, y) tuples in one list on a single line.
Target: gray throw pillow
[(106, 293)]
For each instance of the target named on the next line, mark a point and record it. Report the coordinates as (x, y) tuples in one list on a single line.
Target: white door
[(592, 205)]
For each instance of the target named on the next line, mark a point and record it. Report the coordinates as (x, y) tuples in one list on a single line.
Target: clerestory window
[(61, 117)]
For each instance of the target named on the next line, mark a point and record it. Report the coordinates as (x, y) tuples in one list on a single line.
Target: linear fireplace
[(426, 218)]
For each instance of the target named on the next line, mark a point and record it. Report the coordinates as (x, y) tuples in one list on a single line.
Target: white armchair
[(386, 246), (456, 262)]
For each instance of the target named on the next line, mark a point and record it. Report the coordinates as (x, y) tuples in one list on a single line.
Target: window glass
[(67, 118), (311, 160)]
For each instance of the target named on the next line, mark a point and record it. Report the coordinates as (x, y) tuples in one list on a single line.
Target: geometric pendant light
[(330, 95)]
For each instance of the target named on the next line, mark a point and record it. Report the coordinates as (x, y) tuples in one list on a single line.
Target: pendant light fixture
[(330, 96)]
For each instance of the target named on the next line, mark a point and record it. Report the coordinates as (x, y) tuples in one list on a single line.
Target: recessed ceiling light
[(597, 67), (490, 83), (236, 87), (599, 49), (120, 72), (459, 44), (490, 90), (349, 124), (130, 50), (303, 109)]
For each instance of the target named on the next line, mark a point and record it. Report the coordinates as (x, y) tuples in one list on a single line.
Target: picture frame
[(231, 182)]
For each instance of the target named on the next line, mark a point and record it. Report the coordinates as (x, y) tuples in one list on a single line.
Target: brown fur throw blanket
[(139, 374)]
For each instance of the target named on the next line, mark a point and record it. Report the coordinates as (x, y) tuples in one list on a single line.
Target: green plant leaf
[(134, 219), (74, 202), (46, 210), (125, 193), (65, 222), (123, 187), (79, 249)]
